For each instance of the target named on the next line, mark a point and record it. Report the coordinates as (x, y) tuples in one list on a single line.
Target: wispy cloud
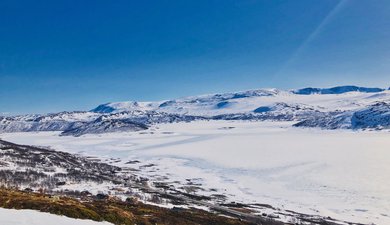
[(313, 35)]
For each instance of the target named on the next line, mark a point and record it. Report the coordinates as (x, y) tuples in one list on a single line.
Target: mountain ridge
[(346, 107)]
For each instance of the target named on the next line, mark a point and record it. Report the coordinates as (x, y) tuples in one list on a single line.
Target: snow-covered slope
[(336, 90), (377, 115), (330, 99), (102, 125), (49, 122), (31, 217), (123, 106), (331, 108)]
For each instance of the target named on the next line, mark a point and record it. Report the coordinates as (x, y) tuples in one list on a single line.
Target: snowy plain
[(339, 173), (31, 217)]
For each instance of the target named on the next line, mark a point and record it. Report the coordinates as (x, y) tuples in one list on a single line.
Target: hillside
[(347, 107)]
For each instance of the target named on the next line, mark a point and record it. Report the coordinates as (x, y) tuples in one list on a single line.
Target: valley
[(282, 168), (300, 156)]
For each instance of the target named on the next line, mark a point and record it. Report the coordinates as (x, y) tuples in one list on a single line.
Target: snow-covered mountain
[(336, 90), (49, 122), (349, 107)]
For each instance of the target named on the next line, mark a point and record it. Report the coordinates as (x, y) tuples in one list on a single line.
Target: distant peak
[(336, 90), (121, 106)]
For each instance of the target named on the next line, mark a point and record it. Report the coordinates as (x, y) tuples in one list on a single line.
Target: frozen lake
[(342, 174)]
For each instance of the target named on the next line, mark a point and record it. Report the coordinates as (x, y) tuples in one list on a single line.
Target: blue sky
[(69, 55)]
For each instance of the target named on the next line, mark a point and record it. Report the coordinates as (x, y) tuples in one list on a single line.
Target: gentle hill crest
[(330, 108)]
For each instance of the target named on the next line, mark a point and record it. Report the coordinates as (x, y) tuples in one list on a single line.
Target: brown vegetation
[(111, 210)]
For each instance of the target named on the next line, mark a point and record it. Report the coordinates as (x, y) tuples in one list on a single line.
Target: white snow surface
[(32, 217), (339, 173), (217, 104)]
